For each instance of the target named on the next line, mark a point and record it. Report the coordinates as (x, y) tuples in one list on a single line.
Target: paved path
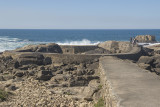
[(134, 86)]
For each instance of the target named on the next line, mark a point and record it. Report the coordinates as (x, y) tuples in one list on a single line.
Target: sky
[(79, 14)]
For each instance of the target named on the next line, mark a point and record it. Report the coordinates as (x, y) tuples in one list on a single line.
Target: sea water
[(15, 38)]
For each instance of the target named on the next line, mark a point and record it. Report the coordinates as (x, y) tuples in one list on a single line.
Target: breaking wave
[(7, 43), (81, 42)]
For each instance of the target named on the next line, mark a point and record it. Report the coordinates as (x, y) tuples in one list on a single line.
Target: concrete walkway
[(134, 86)]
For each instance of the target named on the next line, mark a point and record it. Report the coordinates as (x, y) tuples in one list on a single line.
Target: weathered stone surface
[(145, 66), (44, 75), (147, 51), (98, 51), (157, 70), (1, 78), (12, 87), (7, 77), (145, 38), (116, 46), (33, 58), (146, 60), (47, 61), (51, 48), (34, 74), (19, 73)]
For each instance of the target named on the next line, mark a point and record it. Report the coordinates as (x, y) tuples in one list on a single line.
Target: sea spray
[(7, 43)]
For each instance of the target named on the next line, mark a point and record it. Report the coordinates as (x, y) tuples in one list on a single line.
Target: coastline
[(72, 75)]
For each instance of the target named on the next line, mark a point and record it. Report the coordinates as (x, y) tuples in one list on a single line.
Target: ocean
[(15, 38)]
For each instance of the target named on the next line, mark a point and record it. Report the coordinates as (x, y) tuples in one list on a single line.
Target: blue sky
[(79, 14)]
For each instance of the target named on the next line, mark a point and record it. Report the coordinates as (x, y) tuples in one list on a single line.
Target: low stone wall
[(109, 97), (71, 49), (133, 55), (71, 58)]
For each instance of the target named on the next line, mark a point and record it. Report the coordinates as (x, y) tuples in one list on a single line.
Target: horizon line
[(76, 29)]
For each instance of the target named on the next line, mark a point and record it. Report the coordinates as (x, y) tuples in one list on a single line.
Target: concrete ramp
[(131, 85)]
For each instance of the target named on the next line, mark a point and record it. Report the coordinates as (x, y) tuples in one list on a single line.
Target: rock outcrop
[(145, 38), (35, 80), (151, 63), (50, 48), (116, 46)]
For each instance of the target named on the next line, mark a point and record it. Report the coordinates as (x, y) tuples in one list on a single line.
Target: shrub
[(100, 103), (3, 95)]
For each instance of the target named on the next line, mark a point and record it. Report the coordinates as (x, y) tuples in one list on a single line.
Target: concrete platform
[(133, 86)]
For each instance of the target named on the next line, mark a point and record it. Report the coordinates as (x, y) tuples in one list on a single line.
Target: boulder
[(50, 48), (31, 58), (89, 91), (146, 60), (145, 38), (116, 46)]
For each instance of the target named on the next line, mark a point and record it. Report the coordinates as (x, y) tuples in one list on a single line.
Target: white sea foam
[(148, 44), (7, 43), (81, 42)]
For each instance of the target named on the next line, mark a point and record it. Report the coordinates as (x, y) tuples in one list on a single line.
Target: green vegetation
[(100, 103), (68, 93), (100, 86), (3, 95)]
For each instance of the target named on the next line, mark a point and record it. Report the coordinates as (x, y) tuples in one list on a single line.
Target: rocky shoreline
[(50, 75), (33, 79)]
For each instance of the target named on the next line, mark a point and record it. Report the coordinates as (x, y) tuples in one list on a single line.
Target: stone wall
[(71, 49), (134, 55), (71, 58), (108, 96)]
